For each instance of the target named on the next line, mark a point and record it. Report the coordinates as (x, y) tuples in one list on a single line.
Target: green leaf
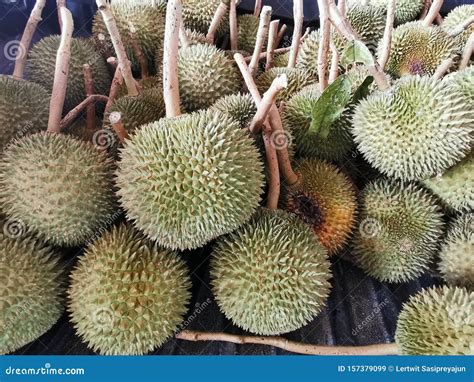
[(363, 90), (329, 106), (356, 53)]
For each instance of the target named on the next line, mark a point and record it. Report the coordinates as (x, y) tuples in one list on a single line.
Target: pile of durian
[(171, 128)]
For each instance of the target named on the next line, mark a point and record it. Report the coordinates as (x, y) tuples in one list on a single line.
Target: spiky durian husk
[(456, 258), (146, 20), (308, 53), (418, 49), (437, 321), (205, 75), (204, 180), (324, 198), (400, 225), (198, 14), (241, 107), (406, 10), (457, 17), (60, 187), (281, 60), (247, 27), (416, 130), (271, 276), (24, 108), (127, 296), (297, 80), (462, 82), (31, 291), (42, 61)]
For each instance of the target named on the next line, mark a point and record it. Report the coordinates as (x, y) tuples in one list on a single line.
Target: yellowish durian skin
[(457, 17)]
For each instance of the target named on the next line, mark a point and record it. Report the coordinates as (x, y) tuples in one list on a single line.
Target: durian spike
[(298, 18), (59, 5), (273, 170), (323, 49), (115, 119), (387, 35), (334, 70), (123, 62), (341, 5), (461, 28), (170, 58), (77, 111), (233, 25), (433, 12), (89, 90), (61, 72), (25, 42), (257, 8), (221, 11), (137, 50), (272, 36), (443, 68), (467, 52), (262, 32), (281, 34), (292, 346)]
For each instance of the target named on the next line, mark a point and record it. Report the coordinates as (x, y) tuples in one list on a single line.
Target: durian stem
[(439, 19), (323, 49), (112, 61), (305, 34), (183, 36), (137, 50), (292, 346), (258, 7), (89, 90), (273, 170), (264, 54), (334, 71), (433, 12), (25, 42), (268, 99), (387, 35), (124, 63), (61, 72), (280, 36), (170, 58), (298, 18), (115, 119), (262, 33), (443, 68), (114, 89), (233, 26), (426, 8), (341, 5), (59, 5), (272, 35), (461, 28), (79, 109), (467, 52), (221, 11)]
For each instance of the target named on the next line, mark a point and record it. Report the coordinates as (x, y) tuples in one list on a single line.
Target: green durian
[(60, 187), (187, 180), (417, 129), (42, 61), (400, 227), (308, 53), (271, 276), (456, 258), (437, 321), (198, 14), (24, 108), (417, 49), (281, 60), (247, 28), (241, 107), (205, 75), (31, 287), (457, 17), (405, 10), (127, 296)]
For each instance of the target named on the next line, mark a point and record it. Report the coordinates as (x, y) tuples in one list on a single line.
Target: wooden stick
[(439, 19), (272, 36), (306, 33), (137, 50), (323, 49), (79, 109), (221, 11), (443, 68), (113, 63), (280, 35), (426, 8), (292, 346), (115, 119), (273, 171), (461, 28), (25, 42), (233, 26), (114, 89), (61, 72), (433, 12), (89, 91), (298, 18), (268, 99), (341, 5), (387, 36), (59, 5), (264, 54), (467, 52), (334, 71), (262, 33), (124, 64), (258, 7), (170, 58)]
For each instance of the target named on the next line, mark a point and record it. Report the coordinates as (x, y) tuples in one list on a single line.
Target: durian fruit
[(416, 130), (455, 187), (127, 296), (405, 10), (325, 200), (205, 75), (308, 53), (146, 20), (247, 28), (187, 180), (437, 321), (198, 14), (418, 49), (281, 60), (457, 17), (271, 276), (399, 231), (241, 107), (24, 108), (456, 258), (297, 80), (31, 289), (60, 187), (42, 61)]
